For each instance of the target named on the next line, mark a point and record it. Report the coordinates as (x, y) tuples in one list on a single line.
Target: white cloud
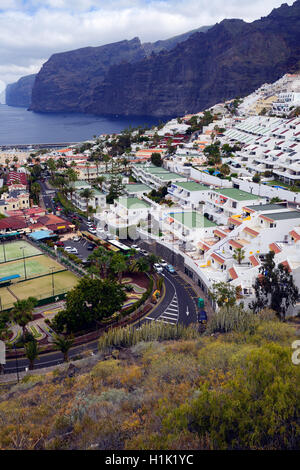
[(32, 30)]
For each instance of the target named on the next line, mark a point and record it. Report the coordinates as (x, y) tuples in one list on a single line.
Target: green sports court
[(44, 276), (14, 250)]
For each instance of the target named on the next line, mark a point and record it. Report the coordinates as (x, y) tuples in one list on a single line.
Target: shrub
[(129, 336), (235, 319)]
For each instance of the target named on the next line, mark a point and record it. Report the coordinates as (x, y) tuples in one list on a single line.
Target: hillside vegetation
[(234, 390)]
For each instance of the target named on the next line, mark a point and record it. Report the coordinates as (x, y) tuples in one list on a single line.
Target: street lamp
[(4, 253), (52, 269), (23, 249)]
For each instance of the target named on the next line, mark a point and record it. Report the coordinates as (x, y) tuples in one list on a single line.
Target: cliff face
[(66, 80), (169, 44), (232, 58), (19, 93)]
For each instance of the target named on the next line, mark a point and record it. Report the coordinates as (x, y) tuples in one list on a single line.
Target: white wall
[(267, 191), (209, 179)]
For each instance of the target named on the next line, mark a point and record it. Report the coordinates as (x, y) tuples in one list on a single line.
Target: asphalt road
[(179, 305)]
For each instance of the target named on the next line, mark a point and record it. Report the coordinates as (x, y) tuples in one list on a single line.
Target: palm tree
[(106, 159), (239, 255), (100, 180), (141, 265), (87, 194), (64, 344), (22, 312), (35, 191), (31, 352), (119, 265), (101, 261), (152, 260)]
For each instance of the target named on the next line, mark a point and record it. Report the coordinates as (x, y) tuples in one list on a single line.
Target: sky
[(32, 30)]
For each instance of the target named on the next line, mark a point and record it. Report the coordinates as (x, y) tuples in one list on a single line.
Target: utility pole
[(23, 249)]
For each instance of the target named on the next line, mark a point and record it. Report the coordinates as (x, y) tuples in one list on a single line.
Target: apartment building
[(226, 204), (188, 194), (154, 176)]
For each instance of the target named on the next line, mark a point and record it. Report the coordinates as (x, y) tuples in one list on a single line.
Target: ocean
[(19, 126)]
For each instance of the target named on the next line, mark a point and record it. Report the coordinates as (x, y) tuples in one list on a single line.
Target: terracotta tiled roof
[(251, 231), (231, 220), (254, 261), (235, 244), (295, 235), (232, 273), (275, 248), (220, 234), (218, 258), (286, 265)]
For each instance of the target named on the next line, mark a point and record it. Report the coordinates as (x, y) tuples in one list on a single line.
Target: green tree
[(224, 294), (156, 159), (118, 265), (100, 262), (274, 287), (64, 344), (31, 352), (35, 192), (87, 194), (116, 189), (89, 302), (239, 255), (22, 312)]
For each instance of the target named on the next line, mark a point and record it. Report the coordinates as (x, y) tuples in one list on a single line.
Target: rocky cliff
[(19, 93), (66, 80), (232, 58)]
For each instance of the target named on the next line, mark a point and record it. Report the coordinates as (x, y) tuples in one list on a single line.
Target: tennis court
[(41, 288), (13, 250), (34, 266)]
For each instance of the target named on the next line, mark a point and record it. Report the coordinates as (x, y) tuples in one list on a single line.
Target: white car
[(163, 263), (158, 268), (76, 239), (92, 230), (136, 248), (68, 249)]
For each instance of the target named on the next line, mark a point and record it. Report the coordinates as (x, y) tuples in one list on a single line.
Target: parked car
[(158, 268), (135, 247), (92, 231), (144, 252), (68, 249), (59, 243), (76, 239), (90, 247), (74, 251), (170, 269), (163, 263)]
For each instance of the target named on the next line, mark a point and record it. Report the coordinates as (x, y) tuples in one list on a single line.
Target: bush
[(129, 336), (235, 319)]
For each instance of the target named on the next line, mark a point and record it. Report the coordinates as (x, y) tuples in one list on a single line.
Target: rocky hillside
[(19, 93), (66, 80), (232, 58), (237, 390), (169, 44)]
